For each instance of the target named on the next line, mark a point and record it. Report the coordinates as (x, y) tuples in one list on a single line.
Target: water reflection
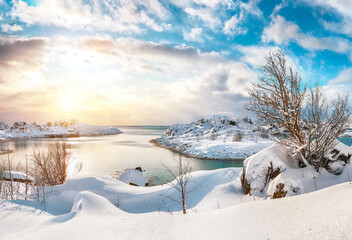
[(111, 155)]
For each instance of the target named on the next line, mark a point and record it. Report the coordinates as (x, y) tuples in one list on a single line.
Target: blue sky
[(156, 61)]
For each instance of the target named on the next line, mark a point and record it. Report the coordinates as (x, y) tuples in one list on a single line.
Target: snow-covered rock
[(16, 176), (338, 158), (263, 166), (63, 128), (133, 177), (219, 137), (273, 172), (3, 126)]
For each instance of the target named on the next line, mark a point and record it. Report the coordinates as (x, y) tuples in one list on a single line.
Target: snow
[(97, 207), (215, 138), (256, 166), (132, 176), (316, 206), (17, 176), (63, 128)]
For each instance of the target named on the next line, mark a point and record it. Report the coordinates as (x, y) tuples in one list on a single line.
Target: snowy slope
[(216, 138), (63, 128), (86, 208)]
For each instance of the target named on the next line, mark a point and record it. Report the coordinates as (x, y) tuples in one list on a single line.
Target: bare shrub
[(9, 187), (50, 167), (184, 176), (237, 137)]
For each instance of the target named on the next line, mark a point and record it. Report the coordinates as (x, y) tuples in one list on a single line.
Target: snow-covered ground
[(97, 207), (63, 128), (219, 137)]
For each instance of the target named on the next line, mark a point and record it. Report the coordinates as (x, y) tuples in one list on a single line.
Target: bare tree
[(278, 97), (184, 176), (324, 122), (310, 124)]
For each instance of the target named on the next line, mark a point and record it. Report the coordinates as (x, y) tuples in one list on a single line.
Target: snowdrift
[(91, 214)]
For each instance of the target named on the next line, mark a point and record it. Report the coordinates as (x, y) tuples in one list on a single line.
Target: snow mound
[(88, 204), (260, 168), (219, 137), (63, 128), (133, 177)]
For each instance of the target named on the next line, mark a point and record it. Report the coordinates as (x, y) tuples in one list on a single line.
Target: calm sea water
[(111, 155)]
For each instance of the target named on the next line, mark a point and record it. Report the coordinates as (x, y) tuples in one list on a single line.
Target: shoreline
[(153, 141), (57, 136)]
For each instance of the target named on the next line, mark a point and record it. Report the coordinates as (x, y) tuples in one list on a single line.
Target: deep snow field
[(98, 207), (60, 128), (216, 138)]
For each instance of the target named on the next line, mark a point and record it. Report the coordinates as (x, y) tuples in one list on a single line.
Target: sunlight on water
[(111, 155)]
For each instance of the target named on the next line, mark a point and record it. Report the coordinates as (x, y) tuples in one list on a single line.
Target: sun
[(69, 104)]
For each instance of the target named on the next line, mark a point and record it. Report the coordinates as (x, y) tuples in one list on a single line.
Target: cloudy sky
[(158, 61)]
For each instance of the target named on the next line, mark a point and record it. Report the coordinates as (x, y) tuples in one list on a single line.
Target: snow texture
[(256, 167), (219, 137), (63, 128), (132, 176), (16, 176), (97, 207)]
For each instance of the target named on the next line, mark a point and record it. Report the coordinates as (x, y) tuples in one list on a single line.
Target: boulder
[(134, 177), (3, 126), (337, 159), (260, 168)]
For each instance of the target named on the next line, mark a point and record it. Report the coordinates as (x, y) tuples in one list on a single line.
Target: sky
[(129, 62)]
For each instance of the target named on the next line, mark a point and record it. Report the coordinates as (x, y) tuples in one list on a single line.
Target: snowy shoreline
[(58, 129), (157, 144), (216, 138)]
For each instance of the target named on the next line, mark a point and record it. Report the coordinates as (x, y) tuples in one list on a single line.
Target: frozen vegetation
[(219, 137), (63, 128)]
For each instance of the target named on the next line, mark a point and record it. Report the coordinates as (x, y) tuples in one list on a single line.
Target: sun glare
[(68, 103)]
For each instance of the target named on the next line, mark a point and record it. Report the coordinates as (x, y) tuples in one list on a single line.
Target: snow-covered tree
[(309, 124)]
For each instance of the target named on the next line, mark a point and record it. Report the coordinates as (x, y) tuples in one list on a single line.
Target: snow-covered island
[(219, 137), (62, 128)]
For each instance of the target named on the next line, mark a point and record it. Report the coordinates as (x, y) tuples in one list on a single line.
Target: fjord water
[(111, 155)]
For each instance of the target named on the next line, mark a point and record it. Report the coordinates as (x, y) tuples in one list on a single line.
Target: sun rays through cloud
[(157, 62)]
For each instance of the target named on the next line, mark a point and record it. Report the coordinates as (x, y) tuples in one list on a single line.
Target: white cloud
[(205, 15), (195, 35), (11, 28), (254, 55), (232, 27), (281, 31), (343, 8), (125, 80), (342, 84), (278, 7), (105, 15)]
